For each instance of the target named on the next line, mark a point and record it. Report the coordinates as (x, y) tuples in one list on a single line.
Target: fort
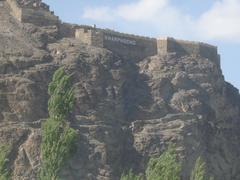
[(125, 45)]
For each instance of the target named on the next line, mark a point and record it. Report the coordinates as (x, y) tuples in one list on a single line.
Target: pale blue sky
[(213, 21)]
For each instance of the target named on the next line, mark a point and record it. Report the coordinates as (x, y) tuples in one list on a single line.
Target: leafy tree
[(58, 139), (130, 176), (165, 167), (4, 172), (199, 171)]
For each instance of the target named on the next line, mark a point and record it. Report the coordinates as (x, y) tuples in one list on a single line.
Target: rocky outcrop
[(126, 111)]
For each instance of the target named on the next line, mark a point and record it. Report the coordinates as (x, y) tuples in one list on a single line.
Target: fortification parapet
[(138, 47), (32, 11), (183, 47), (125, 45)]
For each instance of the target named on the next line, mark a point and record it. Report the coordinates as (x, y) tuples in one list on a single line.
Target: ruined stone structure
[(28, 11)]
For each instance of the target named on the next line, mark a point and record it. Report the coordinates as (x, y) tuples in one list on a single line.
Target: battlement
[(32, 11), (138, 47)]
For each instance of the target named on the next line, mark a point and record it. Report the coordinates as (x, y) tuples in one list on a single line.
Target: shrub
[(4, 171), (130, 176), (199, 171), (165, 167)]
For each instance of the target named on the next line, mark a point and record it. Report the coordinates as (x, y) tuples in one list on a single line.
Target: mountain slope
[(126, 111)]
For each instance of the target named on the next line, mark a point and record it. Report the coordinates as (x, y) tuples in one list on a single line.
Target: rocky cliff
[(126, 111)]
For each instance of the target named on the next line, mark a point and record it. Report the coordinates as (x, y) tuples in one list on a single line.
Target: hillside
[(126, 111)]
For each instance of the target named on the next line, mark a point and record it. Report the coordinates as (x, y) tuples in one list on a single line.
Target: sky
[(212, 21)]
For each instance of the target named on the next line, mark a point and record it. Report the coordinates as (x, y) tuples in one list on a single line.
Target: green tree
[(62, 99), (130, 176), (199, 171), (4, 171), (165, 167), (58, 139)]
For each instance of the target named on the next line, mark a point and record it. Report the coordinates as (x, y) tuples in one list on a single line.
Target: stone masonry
[(138, 47), (29, 11), (127, 46)]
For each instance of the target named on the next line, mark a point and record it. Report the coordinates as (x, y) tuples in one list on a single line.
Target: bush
[(58, 139), (199, 170), (4, 171), (165, 167), (130, 176)]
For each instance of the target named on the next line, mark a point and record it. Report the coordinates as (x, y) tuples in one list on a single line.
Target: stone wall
[(68, 30), (125, 45), (138, 47), (85, 35), (90, 36), (38, 16), (129, 46), (168, 45)]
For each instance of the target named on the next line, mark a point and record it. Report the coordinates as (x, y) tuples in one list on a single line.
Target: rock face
[(126, 111)]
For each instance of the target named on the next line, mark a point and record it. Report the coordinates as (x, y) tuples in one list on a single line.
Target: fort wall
[(90, 36), (38, 16), (129, 46), (183, 47), (139, 47), (68, 30), (125, 45)]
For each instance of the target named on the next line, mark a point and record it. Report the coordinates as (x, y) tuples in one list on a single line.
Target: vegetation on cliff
[(167, 167), (130, 176), (4, 171), (199, 171), (164, 167), (58, 139)]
